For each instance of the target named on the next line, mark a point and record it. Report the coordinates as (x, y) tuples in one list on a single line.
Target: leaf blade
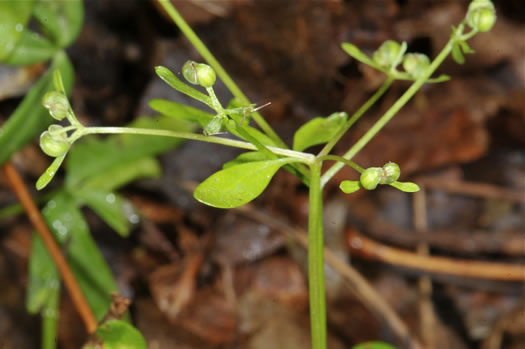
[(318, 131), (238, 185)]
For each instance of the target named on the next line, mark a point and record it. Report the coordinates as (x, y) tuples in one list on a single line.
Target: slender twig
[(365, 247), (20, 189)]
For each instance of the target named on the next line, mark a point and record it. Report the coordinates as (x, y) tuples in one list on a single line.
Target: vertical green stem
[(208, 56), (316, 260), (50, 321)]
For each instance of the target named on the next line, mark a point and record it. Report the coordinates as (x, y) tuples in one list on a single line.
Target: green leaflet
[(116, 211), (238, 185), (318, 131), (356, 53), (348, 187), (117, 334), (180, 111), (14, 16), (87, 263), (168, 77), (407, 187), (31, 48), (61, 21), (248, 156)]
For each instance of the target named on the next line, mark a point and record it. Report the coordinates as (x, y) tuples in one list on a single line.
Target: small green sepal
[(407, 187), (349, 187), (214, 126)]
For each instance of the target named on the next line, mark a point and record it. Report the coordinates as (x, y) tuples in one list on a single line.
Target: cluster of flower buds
[(199, 74), (373, 176), (481, 15), (54, 142)]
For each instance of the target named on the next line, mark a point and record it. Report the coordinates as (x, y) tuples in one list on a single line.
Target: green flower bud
[(57, 104), (415, 64), (53, 145), (371, 177), (199, 74), (481, 15), (214, 126), (387, 53), (206, 75), (189, 71), (391, 173)]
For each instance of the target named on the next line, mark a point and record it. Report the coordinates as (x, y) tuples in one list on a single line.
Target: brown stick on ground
[(472, 189), (365, 247), (19, 188)]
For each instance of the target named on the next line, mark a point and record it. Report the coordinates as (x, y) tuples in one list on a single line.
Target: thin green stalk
[(50, 321), (370, 102), (343, 160), (305, 157), (409, 93), (316, 260), (223, 75)]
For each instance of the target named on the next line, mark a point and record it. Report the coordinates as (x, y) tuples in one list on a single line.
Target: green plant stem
[(343, 160), (316, 259), (409, 93), (50, 322), (370, 102), (304, 157), (223, 75)]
